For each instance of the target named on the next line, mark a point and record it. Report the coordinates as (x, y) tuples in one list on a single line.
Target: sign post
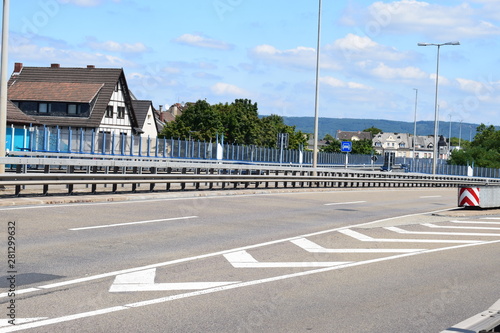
[(346, 147)]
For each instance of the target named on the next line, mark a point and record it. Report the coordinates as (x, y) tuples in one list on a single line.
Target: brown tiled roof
[(108, 78), (54, 91), (18, 117)]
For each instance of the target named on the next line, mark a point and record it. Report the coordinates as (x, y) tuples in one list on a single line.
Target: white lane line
[(133, 223), (474, 222), (145, 281), (213, 254), (312, 247), (223, 288), (243, 259), (365, 238), (344, 203), (402, 231), (19, 321), (431, 225)]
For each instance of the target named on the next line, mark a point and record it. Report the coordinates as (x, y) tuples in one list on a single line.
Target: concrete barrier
[(481, 196)]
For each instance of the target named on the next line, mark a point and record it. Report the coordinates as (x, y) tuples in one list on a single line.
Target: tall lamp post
[(435, 147), (415, 124), (316, 100), (3, 81)]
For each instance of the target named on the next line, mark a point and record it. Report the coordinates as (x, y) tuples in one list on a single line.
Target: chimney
[(90, 66), (55, 66), (18, 67)]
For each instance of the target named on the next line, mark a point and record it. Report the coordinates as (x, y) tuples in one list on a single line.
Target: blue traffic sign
[(346, 146)]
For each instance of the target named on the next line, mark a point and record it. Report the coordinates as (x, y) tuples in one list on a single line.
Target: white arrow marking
[(315, 248), (242, 259), (145, 281), (365, 238), (402, 231), (430, 225), (18, 321)]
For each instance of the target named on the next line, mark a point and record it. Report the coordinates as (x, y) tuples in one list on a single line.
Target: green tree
[(362, 147), (332, 147), (483, 151), (373, 130), (199, 121)]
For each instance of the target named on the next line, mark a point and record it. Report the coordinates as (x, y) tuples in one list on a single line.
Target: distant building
[(353, 136)]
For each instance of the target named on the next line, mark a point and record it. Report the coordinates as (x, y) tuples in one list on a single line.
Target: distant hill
[(331, 125)]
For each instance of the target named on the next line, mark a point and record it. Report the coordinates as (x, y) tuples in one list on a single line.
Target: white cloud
[(222, 88), (203, 42), (354, 47), (432, 20), (298, 58), (336, 83), (388, 73), (112, 46)]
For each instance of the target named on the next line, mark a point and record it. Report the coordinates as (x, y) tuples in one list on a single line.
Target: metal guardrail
[(204, 175), (484, 322)]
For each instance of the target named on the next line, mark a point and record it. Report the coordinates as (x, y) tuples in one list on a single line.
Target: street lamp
[(316, 101), (435, 147), (415, 124), (3, 83)]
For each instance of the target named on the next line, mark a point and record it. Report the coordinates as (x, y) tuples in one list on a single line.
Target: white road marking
[(315, 248), (344, 203), (431, 225), (203, 256), (365, 238), (223, 288), (243, 259), (474, 222), (402, 231), (145, 281), (133, 223), (18, 321)]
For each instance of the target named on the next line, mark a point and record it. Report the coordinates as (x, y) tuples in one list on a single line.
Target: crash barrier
[(207, 175), (479, 196), (484, 322)]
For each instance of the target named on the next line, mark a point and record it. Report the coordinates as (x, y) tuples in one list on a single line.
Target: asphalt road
[(374, 260)]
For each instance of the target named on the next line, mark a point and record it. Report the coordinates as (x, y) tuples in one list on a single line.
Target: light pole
[(449, 138), (3, 83), (415, 123), (435, 147), (316, 100)]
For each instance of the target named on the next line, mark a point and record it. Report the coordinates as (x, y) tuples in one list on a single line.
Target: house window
[(121, 112), (57, 108), (72, 109), (43, 108), (109, 111), (402, 145)]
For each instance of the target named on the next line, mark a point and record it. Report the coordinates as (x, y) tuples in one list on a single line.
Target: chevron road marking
[(242, 259), (402, 231), (315, 248), (145, 281), (430, 225), (166, 299), (365, 238)]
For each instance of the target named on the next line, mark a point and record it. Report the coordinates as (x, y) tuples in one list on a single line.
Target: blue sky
[(265, 50)]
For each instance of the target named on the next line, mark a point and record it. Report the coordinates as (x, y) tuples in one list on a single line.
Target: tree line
[(238, 122)]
